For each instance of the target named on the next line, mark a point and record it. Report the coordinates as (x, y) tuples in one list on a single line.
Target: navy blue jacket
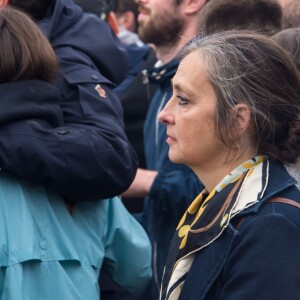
[(257, 259), (90, 157), (175, 186), (135, 96)]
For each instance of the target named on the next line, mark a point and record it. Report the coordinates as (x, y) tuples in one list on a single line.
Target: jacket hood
[(32, 99), (67, 26), (162, 74), (136, 55)]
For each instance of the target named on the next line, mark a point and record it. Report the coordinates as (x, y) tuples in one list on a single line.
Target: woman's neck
[(211, 175)]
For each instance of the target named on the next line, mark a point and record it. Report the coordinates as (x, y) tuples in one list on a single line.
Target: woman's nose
[(166, 116)]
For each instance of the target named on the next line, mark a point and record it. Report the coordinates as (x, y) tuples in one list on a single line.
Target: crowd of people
[(154, 150)]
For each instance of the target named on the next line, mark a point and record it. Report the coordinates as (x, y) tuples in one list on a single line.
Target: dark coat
[(90, 157), (135, 96), (257, 256)]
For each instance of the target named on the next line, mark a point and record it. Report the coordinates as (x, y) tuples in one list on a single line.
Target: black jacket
[(88, 157)]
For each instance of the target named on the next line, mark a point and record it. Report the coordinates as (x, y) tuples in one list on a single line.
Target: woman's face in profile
[(190, 117)]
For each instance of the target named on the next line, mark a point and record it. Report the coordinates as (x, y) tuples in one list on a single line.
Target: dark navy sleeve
[(82, 164), (265, 261), (89, 158), (95, 113), (175, 190)]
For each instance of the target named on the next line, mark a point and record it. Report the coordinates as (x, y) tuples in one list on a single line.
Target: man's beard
[(164, 30)]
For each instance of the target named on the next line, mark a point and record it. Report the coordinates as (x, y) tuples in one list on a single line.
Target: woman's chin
[(175, 158)]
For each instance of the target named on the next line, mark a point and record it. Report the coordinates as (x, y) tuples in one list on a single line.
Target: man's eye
[(182, 100)]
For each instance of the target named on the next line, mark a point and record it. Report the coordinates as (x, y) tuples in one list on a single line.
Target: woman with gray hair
[(234, 120)]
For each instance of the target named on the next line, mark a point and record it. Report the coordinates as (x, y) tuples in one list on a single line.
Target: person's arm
[(127, 250), (265, 261), (141, 184), (67, 160), (173, 189), (89, 158), (90, 106)]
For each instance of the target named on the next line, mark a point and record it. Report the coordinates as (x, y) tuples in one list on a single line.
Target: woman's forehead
[(191, 68)]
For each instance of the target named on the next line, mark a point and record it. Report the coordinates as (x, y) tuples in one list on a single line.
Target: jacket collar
[(161, 73), (275, 184)]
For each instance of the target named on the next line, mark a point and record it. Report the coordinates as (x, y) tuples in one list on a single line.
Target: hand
[(141, 184)]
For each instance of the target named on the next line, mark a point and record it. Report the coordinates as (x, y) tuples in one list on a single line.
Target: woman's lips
[(170, 140)]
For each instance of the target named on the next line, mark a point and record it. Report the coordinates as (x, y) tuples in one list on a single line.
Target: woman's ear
[(241, 119)]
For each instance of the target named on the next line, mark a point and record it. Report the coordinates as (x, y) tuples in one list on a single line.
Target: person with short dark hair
[(263, 16), (49, 247), (234, 118), (89, 157)]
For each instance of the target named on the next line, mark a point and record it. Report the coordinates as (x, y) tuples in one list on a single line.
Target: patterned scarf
[(208, 216)]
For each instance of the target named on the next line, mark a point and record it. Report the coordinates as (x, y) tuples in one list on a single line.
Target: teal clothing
[(47, 252)]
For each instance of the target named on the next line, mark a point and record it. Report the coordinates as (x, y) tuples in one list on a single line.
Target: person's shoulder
[(273, 211)]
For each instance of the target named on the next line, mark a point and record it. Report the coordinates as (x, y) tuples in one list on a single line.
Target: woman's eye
[(182, 100)]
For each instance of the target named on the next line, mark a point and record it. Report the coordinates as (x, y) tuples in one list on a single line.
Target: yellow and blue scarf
[(208, 216)]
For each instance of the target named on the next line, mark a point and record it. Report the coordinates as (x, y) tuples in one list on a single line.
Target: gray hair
[(248, 68)]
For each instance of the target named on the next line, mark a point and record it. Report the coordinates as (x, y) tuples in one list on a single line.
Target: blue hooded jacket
[(88, 157)]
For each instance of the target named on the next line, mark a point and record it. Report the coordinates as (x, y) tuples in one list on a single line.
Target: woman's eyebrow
[(175, 86), (182, 88)]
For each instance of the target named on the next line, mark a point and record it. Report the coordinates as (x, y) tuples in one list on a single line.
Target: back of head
[(289, 40), (251, 69), (25, 52), (291, 14), (264, 16), (35, 8)]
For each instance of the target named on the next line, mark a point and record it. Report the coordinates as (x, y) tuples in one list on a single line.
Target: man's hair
[(25, 53), (289, 40), (291, 15), (35, 8), (249, 68), (264, 16)]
